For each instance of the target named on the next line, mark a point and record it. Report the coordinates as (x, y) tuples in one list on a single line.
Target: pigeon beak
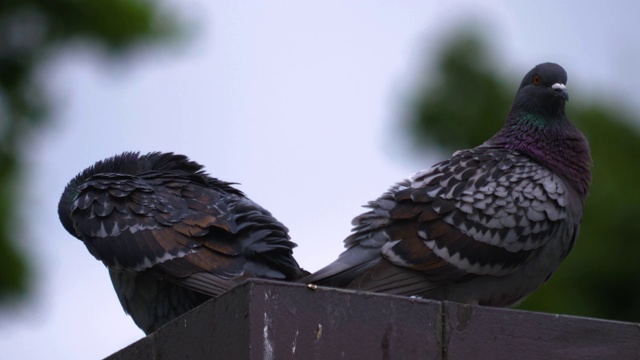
[(561, 90)]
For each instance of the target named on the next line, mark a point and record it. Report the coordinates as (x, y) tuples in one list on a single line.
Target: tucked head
[(134, 164)]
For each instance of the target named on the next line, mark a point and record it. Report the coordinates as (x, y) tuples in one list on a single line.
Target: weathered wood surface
[(271, 320)]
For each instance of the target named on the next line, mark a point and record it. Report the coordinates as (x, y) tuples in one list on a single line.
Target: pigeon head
[(538, 126), (543, 92)]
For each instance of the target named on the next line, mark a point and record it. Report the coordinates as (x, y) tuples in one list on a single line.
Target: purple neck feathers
[(553, 142)]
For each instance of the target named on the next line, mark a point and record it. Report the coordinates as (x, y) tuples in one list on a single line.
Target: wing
[(193, 233), (486, 211)]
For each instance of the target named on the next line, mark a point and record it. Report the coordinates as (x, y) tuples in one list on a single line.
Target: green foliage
[(469, 103), (13, 270), (463, 90), (30, 32)]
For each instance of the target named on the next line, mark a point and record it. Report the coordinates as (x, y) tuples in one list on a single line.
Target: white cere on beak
[(558, 86)]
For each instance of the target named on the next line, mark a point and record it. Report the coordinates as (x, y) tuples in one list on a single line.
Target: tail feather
[(343, 271)]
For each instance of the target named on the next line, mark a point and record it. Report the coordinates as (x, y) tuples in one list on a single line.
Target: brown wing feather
[(469, 216), (177, 227), (171, 235)]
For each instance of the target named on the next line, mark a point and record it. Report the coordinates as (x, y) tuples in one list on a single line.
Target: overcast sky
[(299, 103)]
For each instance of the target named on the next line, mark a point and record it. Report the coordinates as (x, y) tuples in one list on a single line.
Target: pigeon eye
[(536, 80)]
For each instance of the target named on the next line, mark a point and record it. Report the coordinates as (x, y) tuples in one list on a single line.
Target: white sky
[(298, 101)]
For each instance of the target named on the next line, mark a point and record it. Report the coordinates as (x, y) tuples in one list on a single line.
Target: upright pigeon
[(487, 226), (171, 235)]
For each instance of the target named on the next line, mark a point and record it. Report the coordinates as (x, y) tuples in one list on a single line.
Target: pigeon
[(171, 236), (489, 225)]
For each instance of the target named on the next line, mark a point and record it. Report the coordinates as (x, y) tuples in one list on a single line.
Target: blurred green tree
[(31, 32), (465, 101)]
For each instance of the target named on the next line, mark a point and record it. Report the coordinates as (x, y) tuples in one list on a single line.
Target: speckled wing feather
[(179, 227), (486, 211), (171, 236)]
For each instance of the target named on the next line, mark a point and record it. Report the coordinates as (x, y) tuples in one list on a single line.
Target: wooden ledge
[(270, 320)]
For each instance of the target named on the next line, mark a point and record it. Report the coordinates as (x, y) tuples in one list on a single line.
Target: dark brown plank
[(271, 320), (475, 332), (293, 322)]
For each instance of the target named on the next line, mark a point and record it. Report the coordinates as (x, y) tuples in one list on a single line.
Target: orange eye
[(536, 80)]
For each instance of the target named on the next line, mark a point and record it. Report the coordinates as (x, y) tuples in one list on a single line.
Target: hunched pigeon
[(487, 226), (171, 235)]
